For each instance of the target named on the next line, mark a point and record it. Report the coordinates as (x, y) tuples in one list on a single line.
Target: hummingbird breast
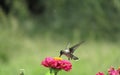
[(67, 53)]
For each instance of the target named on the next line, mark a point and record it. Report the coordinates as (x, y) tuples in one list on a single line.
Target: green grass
[(20, 51), (27, 53)]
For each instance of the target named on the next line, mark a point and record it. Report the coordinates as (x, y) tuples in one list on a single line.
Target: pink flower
[(66, 65), (112, 71), (100, 73), (118, 70), (47, 62), (57, 63)]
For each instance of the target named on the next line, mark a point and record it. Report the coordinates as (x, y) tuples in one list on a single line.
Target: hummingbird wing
[(73, 48), (68, 45)]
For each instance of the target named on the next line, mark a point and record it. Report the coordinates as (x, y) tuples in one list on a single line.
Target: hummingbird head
[(61, 52)]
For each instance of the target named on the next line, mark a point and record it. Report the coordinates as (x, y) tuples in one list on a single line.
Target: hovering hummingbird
[(69, 51)]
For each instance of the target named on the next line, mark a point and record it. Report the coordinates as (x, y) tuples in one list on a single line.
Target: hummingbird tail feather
[(75, 58)]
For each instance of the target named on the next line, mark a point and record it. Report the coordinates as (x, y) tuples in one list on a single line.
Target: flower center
[(57, 58), (119, 69)]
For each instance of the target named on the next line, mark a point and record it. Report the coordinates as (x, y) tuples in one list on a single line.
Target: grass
[(19, 51), (27, 53)]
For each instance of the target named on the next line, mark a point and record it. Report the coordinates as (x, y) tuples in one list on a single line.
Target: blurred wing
[(72, 49), (68, 45)]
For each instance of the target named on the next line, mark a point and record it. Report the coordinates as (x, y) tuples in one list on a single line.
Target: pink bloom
[(112, 71), (118, 70), (100, 73), (67, 66), (47, 62), (57, 63)]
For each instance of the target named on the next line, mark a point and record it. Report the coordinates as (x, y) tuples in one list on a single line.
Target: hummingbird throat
[(67, 51)]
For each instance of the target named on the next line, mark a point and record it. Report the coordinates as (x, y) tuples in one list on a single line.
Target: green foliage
[(26, 38), (93, 56), (72, 19)]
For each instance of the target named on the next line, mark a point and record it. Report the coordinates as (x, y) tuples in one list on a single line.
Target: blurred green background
[(31, 30)]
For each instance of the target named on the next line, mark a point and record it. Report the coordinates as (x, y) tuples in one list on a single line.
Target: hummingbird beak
[(60, 55), (61, 52)]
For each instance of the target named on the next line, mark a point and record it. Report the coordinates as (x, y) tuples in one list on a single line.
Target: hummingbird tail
[(75, 58)]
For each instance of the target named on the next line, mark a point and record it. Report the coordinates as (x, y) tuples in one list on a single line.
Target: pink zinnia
[(57, 63), (100, 73), (118, 70), (66, 65), (113, 71)]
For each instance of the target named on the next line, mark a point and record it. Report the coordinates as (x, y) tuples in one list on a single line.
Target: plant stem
[(56, 73)]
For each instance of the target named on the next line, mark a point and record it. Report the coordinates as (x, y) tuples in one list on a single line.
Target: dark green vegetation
[(73, 19), (31, 30)]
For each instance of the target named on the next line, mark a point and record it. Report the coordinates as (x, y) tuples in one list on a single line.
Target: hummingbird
[(69, 51)]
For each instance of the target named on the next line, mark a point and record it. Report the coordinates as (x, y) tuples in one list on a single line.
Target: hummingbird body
[(69, 52)]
